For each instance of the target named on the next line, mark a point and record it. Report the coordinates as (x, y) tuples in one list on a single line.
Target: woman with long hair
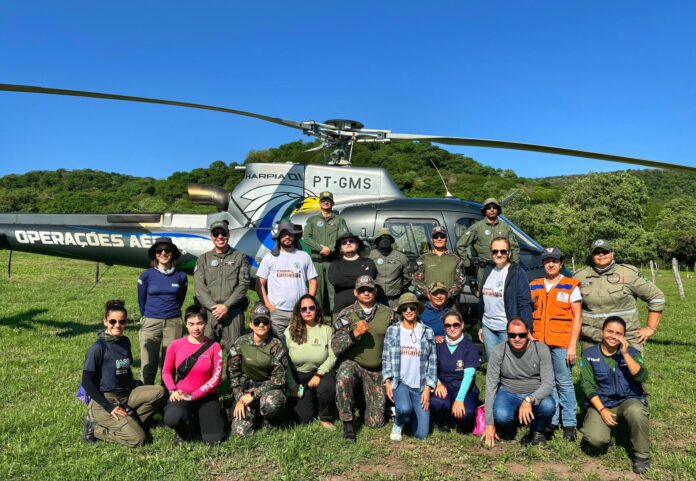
[(161, 293), (191, 372), (311, 363), (117, 408)]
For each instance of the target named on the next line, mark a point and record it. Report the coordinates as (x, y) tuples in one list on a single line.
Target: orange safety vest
[(553, 319)]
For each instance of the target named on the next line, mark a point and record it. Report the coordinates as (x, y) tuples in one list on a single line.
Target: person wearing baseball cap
[(392, 268), (409, 368), (437, 305), (474, 245), (358, 343), (344, 271), (557, 321), (320, 234), (221, 282), (285, 274), (439, 265), (610, 289), (257, 371), (161, 294)]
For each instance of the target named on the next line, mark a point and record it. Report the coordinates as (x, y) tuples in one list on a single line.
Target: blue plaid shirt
[(391, 357)]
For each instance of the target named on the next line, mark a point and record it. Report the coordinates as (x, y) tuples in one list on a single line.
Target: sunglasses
[(491, 206), (502, 252), (120, 322), (347, 241), (163, 251), (601, 253), (456, 325), (521, 335), (363, 290), (409, 307), (439, 236), (308, 309), (258, 322), (219, 233)]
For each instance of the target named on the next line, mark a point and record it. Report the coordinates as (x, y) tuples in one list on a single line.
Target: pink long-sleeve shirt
[(205, 375)]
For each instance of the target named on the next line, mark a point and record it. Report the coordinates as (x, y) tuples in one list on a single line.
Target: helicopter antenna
[(510, 197), (448, 194)]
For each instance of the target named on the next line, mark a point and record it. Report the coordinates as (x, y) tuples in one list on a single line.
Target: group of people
[(387, 343)]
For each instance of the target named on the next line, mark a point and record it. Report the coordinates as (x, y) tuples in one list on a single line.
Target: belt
[(602, 315)]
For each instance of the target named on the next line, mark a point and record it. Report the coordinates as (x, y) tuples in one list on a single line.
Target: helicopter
[(367, 198)]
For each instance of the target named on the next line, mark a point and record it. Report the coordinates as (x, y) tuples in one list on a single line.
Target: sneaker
[(534, 439), (348, 432), (396, 433), (570, 434), (88, 425), (641, 465)]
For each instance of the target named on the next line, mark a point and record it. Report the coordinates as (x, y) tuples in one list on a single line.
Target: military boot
[(348, 432)]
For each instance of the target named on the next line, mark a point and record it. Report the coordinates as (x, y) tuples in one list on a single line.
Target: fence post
[(675, 269), (572, 260), (652, 270), (9, 264)]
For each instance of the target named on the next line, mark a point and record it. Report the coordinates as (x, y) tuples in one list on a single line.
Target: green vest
[(439, 268), (367, 351), (256, 361)]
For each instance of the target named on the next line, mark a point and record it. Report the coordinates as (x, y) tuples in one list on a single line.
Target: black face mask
[(384, 245)]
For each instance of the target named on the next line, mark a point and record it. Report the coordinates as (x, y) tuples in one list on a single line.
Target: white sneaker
[(396, 433)]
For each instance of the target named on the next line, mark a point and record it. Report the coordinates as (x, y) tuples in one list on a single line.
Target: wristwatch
[(530, 400)]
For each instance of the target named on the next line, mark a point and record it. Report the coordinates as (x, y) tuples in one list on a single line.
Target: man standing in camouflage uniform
[(474, 246), (610, 289), (222, 279), (257, 368), (393, 274), (358, 342), (439, 265), (320, 234)]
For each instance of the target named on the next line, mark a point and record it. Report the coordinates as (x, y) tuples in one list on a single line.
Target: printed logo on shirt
[(380, 261), (316, 341), (409, 351), (460, 365), (215, 263), (320, 223), (487, 232), (122, 366), (287, 275), (175, 284), (228, 263), (563, 297)]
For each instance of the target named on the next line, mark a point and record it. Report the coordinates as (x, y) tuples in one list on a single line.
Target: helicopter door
[(412, 235)]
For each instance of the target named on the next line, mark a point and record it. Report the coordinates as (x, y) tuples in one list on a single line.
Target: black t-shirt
[(343, 274), (110, 358)]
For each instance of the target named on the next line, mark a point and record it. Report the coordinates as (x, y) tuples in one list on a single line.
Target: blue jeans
[(492, 339), (564, 391), (409, 409), (506, 405)]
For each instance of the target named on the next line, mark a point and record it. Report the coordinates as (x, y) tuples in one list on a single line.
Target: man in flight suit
[(474, 246), (222, 279), (320, 234), (393, 275)]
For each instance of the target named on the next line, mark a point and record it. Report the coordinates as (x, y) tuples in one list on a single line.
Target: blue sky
[(615, 77)]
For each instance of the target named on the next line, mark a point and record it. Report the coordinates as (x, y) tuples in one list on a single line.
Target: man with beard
[(284, 275)]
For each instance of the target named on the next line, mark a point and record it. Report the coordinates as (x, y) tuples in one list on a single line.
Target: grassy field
[(50, 312)]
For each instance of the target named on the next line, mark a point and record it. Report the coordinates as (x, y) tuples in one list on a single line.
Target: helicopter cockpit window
[(462, 225), (413, 235)]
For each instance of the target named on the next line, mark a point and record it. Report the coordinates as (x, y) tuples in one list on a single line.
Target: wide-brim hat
[(494, 201), (287, 226), (410, 298), (347, 235), (164, 241)]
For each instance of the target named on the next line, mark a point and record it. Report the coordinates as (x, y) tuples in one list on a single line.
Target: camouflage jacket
[(256, 369), (446, 268)]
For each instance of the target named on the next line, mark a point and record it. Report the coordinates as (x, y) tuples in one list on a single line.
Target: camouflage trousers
[(269, 409), (347, 377)]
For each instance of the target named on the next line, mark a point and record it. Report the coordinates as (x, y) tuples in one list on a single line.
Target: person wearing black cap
[(320, 234), (285, 274), (346, 269), (161, 293), (439, 265), (222, 281), (610, 289), (393, 272), (474, 245)]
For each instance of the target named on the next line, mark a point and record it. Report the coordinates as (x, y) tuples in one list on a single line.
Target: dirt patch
[(562, 471)]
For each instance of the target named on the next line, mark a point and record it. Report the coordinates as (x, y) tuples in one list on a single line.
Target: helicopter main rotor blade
[(501, 144), (128, 98)]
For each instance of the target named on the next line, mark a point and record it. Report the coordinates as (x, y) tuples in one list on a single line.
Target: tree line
[(649, 214)]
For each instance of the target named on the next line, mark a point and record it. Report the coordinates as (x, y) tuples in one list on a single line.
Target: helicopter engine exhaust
[(207, 194)]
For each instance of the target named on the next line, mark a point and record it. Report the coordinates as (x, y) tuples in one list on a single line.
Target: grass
[(49, 314)]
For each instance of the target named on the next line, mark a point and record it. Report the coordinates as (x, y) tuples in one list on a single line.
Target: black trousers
[(200, 418), (303, 408)]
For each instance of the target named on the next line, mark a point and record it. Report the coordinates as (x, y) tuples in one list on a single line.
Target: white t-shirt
[(410, 355), (494, 317), (575, 295), (287, 276)]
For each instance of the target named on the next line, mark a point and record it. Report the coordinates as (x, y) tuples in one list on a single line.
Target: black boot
[(88, 425), (348, 431), (570, 434)]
